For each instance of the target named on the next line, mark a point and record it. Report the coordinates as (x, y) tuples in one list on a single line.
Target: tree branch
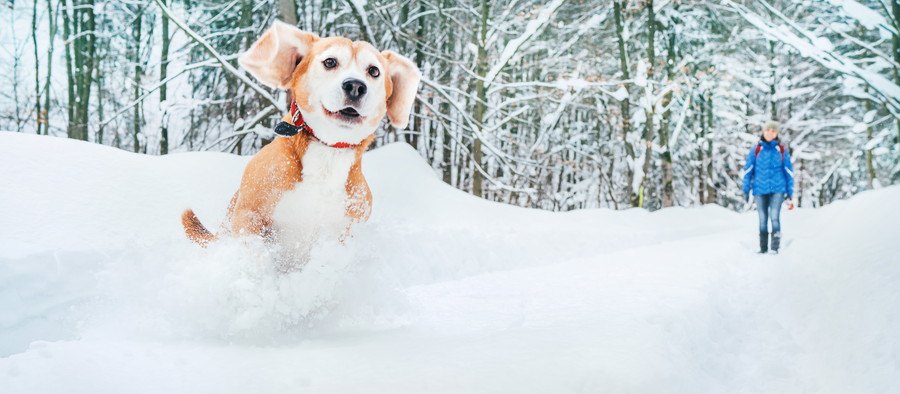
[(225, 64)]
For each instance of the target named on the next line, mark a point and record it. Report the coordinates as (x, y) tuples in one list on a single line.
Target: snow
[(864, 15), (532, 29), (640, 78), (680, 125), (870, 116), (223, 62), (815, 48), (793, 93), (315, 206), (359, 7), (439, 292), (620, 94)]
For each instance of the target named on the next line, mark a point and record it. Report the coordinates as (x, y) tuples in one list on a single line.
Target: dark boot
[(763, 242), (776, 241)]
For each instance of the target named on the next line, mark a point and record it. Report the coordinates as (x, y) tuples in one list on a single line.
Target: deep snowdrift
[(438, 292)]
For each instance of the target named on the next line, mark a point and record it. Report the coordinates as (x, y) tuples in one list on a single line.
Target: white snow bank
[(438, 292)]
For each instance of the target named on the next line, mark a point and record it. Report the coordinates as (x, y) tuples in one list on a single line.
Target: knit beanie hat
[(772, 124)]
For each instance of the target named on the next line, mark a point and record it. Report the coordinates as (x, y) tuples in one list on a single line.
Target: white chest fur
[(316, 207)]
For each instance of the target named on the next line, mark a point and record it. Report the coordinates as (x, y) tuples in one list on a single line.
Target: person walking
[(770, 175)]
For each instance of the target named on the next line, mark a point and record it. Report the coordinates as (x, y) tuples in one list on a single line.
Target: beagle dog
[(341, 90)]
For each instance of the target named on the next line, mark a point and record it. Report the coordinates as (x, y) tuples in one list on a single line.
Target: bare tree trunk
[(772, 101), (17, 60), (100, 114), (287, 11), (101, 79), (668, 189), (870, 167), (420, 63), (37, 70), (78, 24), (895, 7), (360, 20), (78, 68), (799, 192), (163, 68), (89, 40), (136, 89), (447, 46), (402, 20), (648, 124), (246, 22), (711, 191), (70, 73), (626, 103), (481, 103), (51, 16), (701, 142)]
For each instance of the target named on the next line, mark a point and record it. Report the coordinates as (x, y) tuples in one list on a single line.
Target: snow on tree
[(553, 104)]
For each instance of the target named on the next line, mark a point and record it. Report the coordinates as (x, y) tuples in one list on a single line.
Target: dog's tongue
[(349, 111)]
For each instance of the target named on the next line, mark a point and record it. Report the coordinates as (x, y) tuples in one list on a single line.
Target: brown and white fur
[(296, 184)]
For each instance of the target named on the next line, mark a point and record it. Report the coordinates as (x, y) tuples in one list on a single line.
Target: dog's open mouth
[(349, 111), (347, 114)]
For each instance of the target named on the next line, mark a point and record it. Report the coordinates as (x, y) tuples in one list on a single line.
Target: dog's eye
[(374, 71), (330, 63)]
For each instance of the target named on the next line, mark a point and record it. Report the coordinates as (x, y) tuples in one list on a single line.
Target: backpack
[(780, 149)]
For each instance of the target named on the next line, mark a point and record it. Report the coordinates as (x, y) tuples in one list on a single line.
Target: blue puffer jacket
[(768, 172)]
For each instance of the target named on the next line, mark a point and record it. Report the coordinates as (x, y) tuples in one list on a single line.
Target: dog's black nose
[(354, 88)]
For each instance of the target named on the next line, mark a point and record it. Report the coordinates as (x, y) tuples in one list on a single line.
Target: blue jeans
[(769, 207)]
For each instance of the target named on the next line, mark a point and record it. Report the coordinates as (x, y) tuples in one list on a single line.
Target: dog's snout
[(354, 88)]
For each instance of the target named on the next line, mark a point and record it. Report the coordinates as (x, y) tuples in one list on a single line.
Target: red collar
[(298, 122)]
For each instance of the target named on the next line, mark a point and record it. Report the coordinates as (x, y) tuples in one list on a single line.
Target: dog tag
[(286, 129)]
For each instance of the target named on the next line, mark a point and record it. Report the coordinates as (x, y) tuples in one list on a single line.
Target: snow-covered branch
[(819, 49), (215, 54), (532, 29)]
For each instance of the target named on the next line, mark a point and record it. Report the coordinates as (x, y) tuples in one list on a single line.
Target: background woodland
[(557, 105)]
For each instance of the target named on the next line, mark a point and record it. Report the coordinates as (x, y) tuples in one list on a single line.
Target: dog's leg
[(230, 212), (359, 197), (251, 223)]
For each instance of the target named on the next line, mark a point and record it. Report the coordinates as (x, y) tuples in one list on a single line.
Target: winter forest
[(557, 104)]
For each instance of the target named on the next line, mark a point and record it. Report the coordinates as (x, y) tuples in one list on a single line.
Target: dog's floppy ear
[(405, 78), (274, 56)]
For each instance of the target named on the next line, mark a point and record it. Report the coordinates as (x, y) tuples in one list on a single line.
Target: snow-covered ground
[(439, 292)]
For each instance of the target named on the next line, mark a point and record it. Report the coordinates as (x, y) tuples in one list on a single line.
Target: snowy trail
[(439, 292)]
